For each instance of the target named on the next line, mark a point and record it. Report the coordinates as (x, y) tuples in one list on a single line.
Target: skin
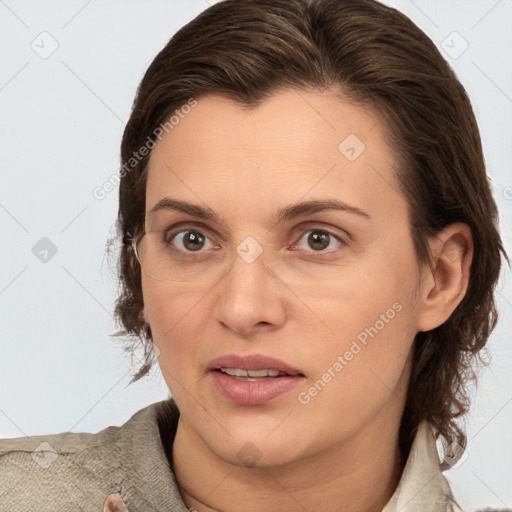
[(341, 448)]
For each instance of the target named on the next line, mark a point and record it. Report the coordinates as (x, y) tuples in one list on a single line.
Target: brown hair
[(377, 58)]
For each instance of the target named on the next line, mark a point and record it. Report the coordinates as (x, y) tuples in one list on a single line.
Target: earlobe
[(444, 288)]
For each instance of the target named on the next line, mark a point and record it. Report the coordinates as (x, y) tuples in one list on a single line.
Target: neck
[(360, 473)]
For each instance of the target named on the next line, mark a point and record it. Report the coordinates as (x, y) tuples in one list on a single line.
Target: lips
[(253, 379), (252, 362)]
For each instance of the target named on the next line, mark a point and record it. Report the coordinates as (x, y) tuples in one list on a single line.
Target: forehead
[(295, 143)]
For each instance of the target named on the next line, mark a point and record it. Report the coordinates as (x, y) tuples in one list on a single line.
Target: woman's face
[(328, 293)]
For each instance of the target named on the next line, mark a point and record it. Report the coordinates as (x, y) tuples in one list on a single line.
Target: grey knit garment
[(71, 472), (77, 471)]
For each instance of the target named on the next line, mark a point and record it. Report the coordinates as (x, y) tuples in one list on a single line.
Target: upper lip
[(252, 362)]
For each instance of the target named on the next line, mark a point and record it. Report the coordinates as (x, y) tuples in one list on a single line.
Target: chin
[(253, 447), (252, 455)]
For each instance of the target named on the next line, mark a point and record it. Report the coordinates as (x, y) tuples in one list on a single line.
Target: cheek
[(370, 334), (176, 317), (362, 372), (373, 299), (168, 306)]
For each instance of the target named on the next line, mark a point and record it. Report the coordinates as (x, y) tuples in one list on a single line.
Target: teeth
[(238, 372), (263, 373)]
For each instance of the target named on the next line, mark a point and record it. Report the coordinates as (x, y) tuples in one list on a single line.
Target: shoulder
[(77, 471), (423, 485), (53, 468)]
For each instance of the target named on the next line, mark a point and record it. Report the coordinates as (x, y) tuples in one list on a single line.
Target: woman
[(309, 247)]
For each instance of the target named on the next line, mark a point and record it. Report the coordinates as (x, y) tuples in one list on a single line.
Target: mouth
[(252, 375), (253, 379), (252, 365)]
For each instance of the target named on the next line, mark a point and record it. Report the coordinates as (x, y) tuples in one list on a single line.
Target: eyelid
[(175, 229), (343, 239), (319, 226), (301, 228)]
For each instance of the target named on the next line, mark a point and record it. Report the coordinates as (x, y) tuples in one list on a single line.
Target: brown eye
[(190, 240), (318, 240)]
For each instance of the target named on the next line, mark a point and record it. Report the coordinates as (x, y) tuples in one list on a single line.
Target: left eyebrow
[(282, 215), (316, 206)]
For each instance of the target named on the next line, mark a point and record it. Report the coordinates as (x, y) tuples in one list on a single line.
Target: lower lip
[(253, 392)]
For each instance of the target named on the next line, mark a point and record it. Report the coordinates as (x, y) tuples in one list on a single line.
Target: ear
[(444, 288)]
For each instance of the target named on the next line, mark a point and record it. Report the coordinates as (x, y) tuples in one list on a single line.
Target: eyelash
[(169, 237)]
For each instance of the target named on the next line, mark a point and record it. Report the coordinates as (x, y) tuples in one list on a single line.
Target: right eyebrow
[(181, 206)]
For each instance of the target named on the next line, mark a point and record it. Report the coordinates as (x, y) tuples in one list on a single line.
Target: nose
[(251, 297)]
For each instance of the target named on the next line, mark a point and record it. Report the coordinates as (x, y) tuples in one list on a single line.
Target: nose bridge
[(249, 261), (250, 250), (263, 257), (259, 259)]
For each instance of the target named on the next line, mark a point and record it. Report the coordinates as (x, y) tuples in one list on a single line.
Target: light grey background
[(68, 74)]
